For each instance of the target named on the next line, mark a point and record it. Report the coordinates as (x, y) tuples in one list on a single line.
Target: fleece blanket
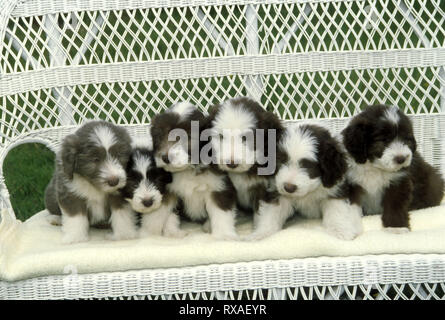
[(33, 248)]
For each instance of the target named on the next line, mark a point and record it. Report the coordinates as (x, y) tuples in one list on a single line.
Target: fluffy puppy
[(201, 190), (146, 191), (388, 176), (241, 129), (310, 180), (90, 169)]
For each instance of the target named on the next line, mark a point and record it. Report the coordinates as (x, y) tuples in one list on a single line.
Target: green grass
[(28, 169)]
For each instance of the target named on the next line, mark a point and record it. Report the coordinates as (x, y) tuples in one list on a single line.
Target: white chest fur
[(374, 181), (194, 190)]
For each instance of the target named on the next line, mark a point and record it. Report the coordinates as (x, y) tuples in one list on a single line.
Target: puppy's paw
[(149, 232), (54, 220), (121, 236), (206, 226), (226, 236), (70, 238), (255, 236), (343, 233), (397, 230), (175, 233), (144, 234), (341, 219)]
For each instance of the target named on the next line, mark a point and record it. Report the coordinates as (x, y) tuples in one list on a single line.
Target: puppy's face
[(146, 184), (233, 135), (383, 136), (98, 152), (175, 137), (308, 158), (234, 149)]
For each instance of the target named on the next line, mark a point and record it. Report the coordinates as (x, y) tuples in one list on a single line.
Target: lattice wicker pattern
[(368, 277), (62, 62)]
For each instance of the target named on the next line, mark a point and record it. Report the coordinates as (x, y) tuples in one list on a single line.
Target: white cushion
[(33, 248)]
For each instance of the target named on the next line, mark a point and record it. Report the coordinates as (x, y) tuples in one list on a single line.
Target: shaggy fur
[(310, 180), (146, 191), (90, 169), (387, 175), (201, 190), (234, 125)]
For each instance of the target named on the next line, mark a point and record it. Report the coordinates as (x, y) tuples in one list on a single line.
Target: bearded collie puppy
[(202, 191), (84, 190), (310, 180), (146, 192), (388, 176), (244, 139)]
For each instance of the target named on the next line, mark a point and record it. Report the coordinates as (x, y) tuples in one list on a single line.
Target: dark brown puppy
[(203, 192), (244, 137), (387, 175)]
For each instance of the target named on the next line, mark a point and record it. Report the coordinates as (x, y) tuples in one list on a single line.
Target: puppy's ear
[(167, 177), (269, 121), (332, 162), (163, 177), (70, 148), (355, 139), (156, 130)]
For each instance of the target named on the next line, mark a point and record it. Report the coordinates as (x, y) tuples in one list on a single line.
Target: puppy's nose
[(113, 181), (290, 188), (231, 164), (147, 202), (400, 159), (165, 158)]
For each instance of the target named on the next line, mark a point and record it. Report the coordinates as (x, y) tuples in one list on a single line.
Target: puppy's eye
[(307, 164), (96, 159)]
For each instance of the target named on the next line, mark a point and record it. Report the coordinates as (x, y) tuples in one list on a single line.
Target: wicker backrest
[(62, 62)]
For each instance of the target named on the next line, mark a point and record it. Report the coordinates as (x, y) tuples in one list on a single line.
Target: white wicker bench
[(64, 61)]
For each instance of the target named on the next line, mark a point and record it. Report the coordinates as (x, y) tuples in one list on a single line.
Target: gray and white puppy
[(90, 169)]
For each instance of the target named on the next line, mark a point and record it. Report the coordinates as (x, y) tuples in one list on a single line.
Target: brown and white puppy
[(244, 139), (90, 169), (146, 191), (203, 192), (310, 180), (387, 174)]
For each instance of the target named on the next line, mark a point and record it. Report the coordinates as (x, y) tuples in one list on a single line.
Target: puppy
[(388, 176), (90, 169), (201, 190), (311, 181), (244, 139), (146, 191)]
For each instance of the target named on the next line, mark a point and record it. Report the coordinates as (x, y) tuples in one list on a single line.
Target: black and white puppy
[(388, 176), (146, 192), (244, 139), (311, 181), (90, 169), (203, 192)]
